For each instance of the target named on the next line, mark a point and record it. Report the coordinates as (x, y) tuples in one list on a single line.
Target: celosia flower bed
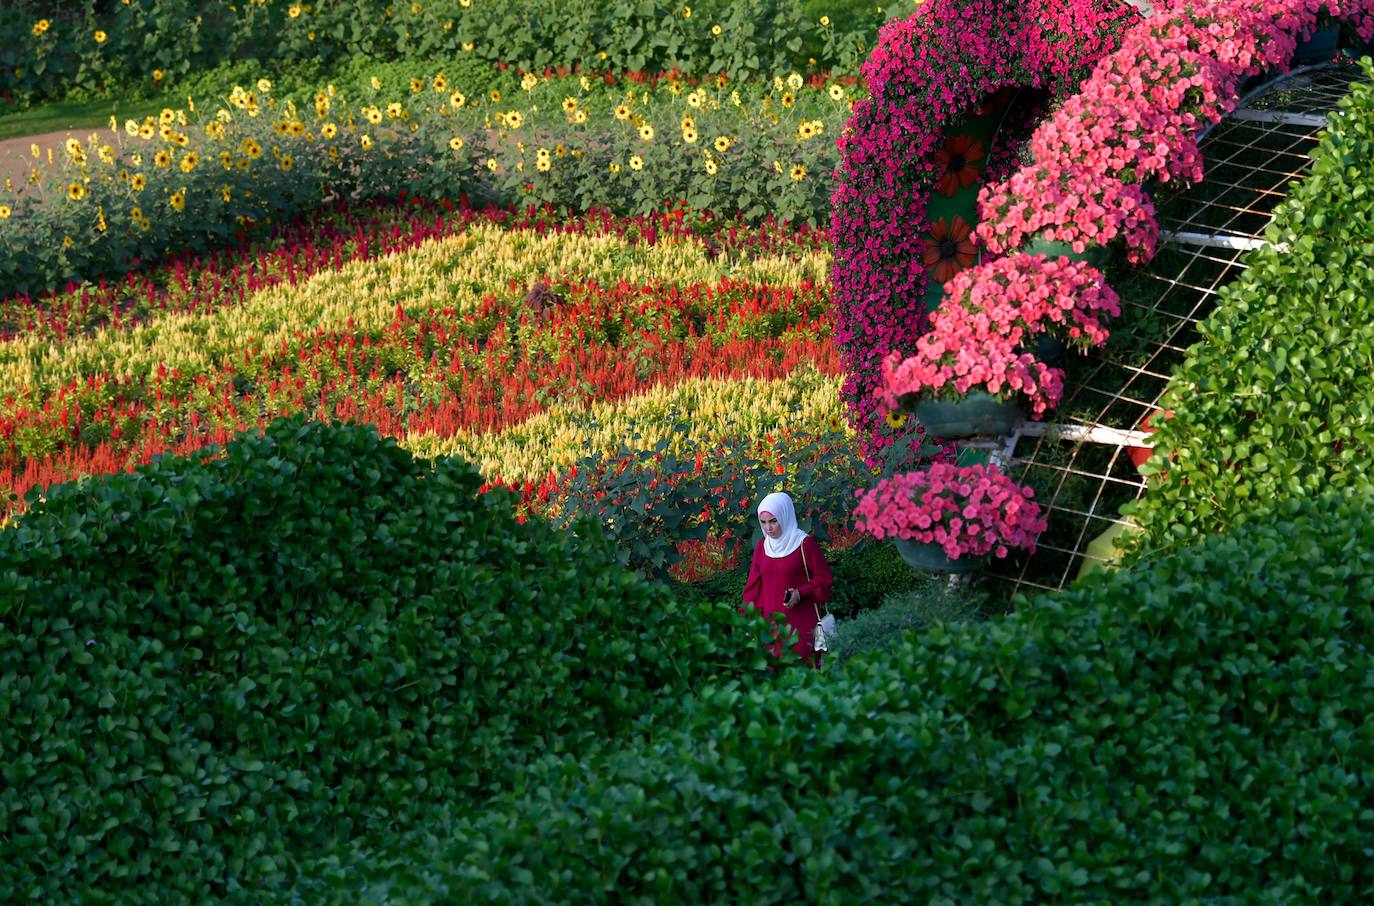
[(621, 306), (927, 72), (969, 511)]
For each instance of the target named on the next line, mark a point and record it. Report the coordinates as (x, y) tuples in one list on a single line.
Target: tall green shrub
[(1193, 729), (209, 670), (1277, 399)]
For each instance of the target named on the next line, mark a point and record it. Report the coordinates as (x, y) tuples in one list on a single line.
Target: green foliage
[(1193, 729), (1277, 399), (209, 670), (648, 500), (885, 626), (150, 44), (866, 573)]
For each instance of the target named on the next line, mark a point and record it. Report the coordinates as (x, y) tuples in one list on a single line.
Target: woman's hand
[(791, 598)]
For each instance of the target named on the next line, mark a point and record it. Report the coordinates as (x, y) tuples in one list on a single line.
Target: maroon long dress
[(769, 579)]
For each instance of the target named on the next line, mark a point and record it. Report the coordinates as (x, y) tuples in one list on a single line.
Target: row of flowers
[(1134, 123), (192, 179), (149, 44)]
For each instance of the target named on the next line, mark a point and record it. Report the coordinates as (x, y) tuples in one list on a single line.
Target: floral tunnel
[(1133, 125), (955, 91)]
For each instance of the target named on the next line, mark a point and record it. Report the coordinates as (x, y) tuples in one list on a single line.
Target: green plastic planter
[(1095, 255), (1048, 348), (977, 414), (931, 558)]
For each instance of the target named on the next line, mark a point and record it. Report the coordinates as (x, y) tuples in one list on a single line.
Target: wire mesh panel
[(1251, 157)]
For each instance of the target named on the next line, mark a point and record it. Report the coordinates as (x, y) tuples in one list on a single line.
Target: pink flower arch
[(926, 74)]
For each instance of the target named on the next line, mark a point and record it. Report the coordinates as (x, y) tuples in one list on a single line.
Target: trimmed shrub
[(1192, 729), (887, 625), (211, 668), (1277, 399)]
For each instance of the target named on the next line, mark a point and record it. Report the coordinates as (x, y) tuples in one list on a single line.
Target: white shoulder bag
[(825, 625)]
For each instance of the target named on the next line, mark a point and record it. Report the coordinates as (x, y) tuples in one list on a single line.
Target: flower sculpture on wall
[(947, 249), (928, 73), (956, 162)]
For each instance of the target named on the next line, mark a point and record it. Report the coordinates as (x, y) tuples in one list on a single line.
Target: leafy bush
[(1192, 729), (210, 668), (866, 573), (885, 626), (1277, 399)]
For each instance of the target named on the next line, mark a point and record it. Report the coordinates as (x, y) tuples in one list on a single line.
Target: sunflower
[(722, 144), (614, 167), (416, 86), (636, 162), (947, 249), (798, 173), (4, 212), (178, 200), (372, 115), (393, 110), (456, 143), (622, 112), (329, 130), (896, 419), (580, 116), (189, 162), (715, 31), (286, 162), (646, 132), (543, 164), (956, 163), (711, 167), (226, 194), (162, 158), (836, 93), (251, 148), (788, 99), (67, 242), (137, 182), (440, 84), (569, 105), (76, 191), (689, 136), (366, 142), (457, 99), (491, 164), (514, 119)]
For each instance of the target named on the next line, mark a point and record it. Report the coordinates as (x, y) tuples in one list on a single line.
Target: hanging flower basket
[(931, 558), (1096, 255), (1048, 348), (977, 414)]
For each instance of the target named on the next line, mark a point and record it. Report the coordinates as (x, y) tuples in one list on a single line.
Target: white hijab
[(780, 505)]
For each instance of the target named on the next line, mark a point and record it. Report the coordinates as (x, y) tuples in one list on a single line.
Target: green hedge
[(1189, 730), (211, 669), (1277, 399)]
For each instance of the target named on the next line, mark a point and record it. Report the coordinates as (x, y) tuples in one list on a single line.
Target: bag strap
[(808, 579)]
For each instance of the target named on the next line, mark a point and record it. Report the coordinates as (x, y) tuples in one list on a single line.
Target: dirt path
[(16, 156)]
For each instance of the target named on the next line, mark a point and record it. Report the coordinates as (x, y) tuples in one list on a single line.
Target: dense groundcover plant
[(969, 511), (225, 663), (927, 72), (1150, 736)]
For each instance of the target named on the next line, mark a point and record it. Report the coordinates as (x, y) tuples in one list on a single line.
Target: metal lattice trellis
[(1079, 464)]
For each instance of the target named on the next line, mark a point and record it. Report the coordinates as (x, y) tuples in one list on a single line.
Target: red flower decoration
[(955, 163), (947, 249)]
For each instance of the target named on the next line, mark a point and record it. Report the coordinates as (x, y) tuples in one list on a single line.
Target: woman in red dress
[(788, 575)]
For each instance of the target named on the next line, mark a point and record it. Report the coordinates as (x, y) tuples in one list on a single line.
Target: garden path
[(16, 155)]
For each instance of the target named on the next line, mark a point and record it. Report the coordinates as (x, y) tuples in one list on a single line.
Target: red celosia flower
[(947, 250), (956, 163)]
